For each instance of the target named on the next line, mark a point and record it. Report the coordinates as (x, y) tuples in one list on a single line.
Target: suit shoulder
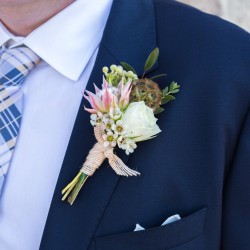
[(186, 20), (192, 40)]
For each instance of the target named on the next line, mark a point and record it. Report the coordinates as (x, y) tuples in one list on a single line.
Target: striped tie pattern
[(15, 64)]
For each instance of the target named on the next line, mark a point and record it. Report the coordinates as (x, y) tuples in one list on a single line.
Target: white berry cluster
[(116, 73)]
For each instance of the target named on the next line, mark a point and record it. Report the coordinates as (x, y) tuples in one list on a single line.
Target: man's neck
[(22, 18)]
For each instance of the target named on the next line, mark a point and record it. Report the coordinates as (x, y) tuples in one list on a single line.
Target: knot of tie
[(16, 63)]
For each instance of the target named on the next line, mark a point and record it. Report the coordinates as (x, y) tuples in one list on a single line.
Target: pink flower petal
[(95, 101), (92, 111), (125, 94), (105, 83), (86, 97), (127, 86), (120, 86), (97, 90), (107, 99), (126, 98)]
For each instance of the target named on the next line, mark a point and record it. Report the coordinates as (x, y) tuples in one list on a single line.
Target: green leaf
[(164, 101), (175, 91), (165, 91), (159, 110), (168, 98), (127, 67), (152, 59), (157, 76), (172, 85)]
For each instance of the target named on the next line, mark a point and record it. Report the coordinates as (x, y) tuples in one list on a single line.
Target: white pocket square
[(169, 220)]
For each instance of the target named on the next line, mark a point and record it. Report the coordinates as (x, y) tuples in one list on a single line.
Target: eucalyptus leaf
[(128, 67), (157, 76), (152, 59)]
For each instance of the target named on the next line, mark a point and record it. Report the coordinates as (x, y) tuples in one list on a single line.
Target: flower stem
[(73, 188), (72, 183), (82, 179)]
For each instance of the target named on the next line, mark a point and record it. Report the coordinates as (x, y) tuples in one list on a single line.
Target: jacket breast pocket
[(172, 235)]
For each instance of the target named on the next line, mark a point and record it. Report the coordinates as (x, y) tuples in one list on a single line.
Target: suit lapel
[(129, 36)]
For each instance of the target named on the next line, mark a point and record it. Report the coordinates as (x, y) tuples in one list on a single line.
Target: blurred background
[(236, 11)]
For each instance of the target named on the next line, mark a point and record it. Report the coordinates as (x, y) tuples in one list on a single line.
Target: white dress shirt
[(68, 45)]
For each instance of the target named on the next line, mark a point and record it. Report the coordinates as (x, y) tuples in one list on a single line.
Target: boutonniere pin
[(122, 114)]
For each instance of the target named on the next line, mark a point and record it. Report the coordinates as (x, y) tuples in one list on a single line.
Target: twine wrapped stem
[(93, 161)]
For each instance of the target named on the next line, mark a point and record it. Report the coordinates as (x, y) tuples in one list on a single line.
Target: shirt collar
[(67, 40)]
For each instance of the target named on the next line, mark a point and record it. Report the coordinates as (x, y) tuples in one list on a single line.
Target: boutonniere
[(122, 114)]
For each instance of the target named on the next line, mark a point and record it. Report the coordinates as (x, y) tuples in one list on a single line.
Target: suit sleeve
[(236, 198)]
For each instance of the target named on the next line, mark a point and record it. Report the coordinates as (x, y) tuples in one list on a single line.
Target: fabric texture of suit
[(199, 166)]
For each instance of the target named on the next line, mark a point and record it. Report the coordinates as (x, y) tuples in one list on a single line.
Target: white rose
[(139, 121)]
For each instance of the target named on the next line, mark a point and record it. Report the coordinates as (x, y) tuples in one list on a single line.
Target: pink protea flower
[(102, 100), (108, 97)]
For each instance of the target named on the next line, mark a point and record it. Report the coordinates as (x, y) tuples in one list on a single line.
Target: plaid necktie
[(15, 64)]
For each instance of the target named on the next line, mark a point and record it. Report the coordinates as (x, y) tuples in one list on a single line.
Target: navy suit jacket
[(199, 166)]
